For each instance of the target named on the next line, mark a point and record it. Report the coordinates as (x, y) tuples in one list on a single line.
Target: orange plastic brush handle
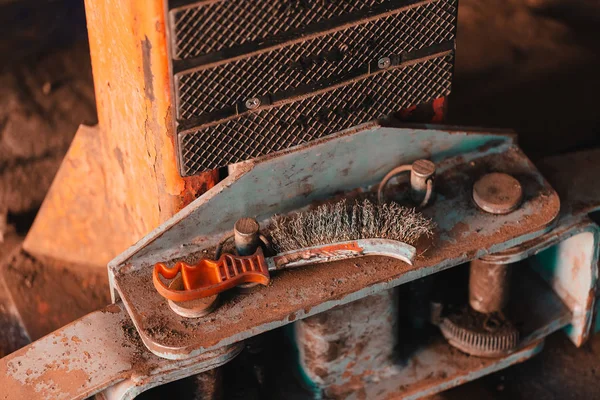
[(210, 277)]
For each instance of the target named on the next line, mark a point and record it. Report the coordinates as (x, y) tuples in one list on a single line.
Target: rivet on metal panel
[(384, 63), (497, 193), (253, 103)]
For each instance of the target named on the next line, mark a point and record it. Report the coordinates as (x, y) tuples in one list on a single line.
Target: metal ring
[(230, 236), (428, 194), (266, 242), (392, 174), (220, 245)]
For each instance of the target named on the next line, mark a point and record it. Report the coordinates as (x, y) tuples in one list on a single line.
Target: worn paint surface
[(341, 347), (567, 258), (99, 351), (119, 180), (571, 268), (444, 368), (311, 173), (348, 352)]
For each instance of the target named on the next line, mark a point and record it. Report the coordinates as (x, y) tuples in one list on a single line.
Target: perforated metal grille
[(315, 60), (274, 129), (221, 24)]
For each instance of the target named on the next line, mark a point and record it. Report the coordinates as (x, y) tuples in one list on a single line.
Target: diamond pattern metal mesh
[(217, 25), (309, 62), (274, 129)]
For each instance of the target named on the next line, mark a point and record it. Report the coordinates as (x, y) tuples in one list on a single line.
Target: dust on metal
[(99, 351), (193, 308), (315, 172), (498, 193)]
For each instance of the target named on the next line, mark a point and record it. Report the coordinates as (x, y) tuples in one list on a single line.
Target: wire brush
[(341, 222)]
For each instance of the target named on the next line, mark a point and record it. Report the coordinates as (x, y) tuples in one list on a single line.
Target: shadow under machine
[(348, 253)]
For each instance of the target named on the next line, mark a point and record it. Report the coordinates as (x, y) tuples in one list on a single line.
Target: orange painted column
[(119, 180)]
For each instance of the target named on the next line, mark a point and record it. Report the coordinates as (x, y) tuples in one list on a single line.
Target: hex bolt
[(489, 286), (253, 103), (421, 175), (384, 63), (246, 234), (497, 193)]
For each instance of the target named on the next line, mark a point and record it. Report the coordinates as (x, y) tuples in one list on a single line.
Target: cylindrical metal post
[(489, 286), (207, 385), (422, 171), (246, 236)]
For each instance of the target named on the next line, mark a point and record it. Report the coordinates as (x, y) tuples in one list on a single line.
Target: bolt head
[(384, 63), (498, 193), (252, 103)]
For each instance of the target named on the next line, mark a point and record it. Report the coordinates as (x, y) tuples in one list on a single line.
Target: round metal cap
[(246, 226), (497, 193), (423, 168), (193, 308)]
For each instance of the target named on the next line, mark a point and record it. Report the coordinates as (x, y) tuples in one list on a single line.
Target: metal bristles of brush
[(341, 221)]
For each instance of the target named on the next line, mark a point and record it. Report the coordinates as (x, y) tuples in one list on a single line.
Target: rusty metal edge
[(515, 358)]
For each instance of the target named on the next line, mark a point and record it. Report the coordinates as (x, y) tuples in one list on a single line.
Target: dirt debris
[(51, 294)]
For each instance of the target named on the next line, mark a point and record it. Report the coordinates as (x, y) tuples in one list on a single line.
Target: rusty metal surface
[(298, 178), (336, 352), (571, 268), (313, 172), (298, 71), (440, 367), (353, 340), (489, 286), (99, 351), (569, 254), (568, 258)]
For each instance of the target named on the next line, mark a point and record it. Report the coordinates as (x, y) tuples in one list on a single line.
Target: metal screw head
[(384, 63), (497, 193), (252, 103)]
